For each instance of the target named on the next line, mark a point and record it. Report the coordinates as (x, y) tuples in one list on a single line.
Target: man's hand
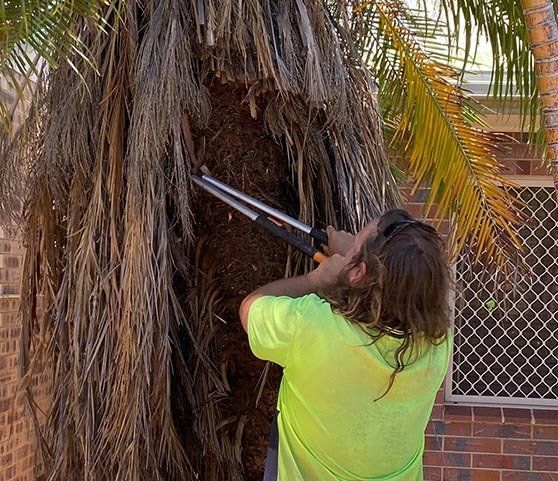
[(328, 273), (340, 242)]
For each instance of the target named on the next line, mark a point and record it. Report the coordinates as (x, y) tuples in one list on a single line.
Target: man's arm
[(326, 274)]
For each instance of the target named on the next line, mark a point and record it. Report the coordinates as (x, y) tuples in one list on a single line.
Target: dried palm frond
[(325, 96), (110, 417), (219, 457)]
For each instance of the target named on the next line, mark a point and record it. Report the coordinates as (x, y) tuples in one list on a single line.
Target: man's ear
[(357, 274)]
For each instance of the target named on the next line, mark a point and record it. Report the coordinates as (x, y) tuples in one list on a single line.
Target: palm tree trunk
[(543, 35), (237, 149)]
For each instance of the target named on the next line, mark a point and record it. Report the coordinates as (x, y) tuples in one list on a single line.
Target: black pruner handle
[(291, 239), (319, 235)]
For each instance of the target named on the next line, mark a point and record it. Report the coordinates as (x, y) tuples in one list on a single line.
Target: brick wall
[(491, 444), (18, 459)]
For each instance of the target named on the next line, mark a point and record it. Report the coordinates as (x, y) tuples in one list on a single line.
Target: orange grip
[(319, 257)]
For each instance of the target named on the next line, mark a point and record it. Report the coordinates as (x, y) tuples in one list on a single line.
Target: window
[(506, 344)]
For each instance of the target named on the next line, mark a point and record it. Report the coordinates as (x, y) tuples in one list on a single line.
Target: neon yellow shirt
[(330, 427)]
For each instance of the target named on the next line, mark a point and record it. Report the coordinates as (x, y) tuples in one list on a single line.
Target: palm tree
[(129, 273), (511, 27), (540, 19), (129, 324)]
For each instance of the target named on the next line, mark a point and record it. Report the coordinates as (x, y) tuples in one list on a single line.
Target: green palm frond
[(501, 24), (35, 34), (434, 127), (459, 27)]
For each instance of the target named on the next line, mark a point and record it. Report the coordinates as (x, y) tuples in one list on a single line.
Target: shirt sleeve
[(272, 324)]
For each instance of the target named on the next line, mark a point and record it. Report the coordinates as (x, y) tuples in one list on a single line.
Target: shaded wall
[(18, 453)]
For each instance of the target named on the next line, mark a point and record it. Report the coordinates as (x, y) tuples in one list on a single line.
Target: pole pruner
[(269, 218)]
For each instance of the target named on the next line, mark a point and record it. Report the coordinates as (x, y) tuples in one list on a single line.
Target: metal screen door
[(506, 344)]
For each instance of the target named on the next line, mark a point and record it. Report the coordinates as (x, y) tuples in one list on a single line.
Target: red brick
[(9, 318), (9, 289), (440, 396), (5, 333), (9, 305), (444, 228), (486, 414), (10, 261), (502, 461), (523, 167), (16, 247), (433, 443), (8, 362), (6, 405), (524, 151), (505, 150), (507, 166), (432, 458), (450, 428), (439, 458), (460, 474), (458, 413), (10, 275), (487, 430), (8, 390), (431, 214), (544, 448), (432, 474), (8, 375), (9, 233), (437, 413), (420, 195), (6, 245), (527, 476), (546, 463), (537, 168), (545, 432), (545, 416), (414, 209), (473, 445), (8, 347), (517, 416)]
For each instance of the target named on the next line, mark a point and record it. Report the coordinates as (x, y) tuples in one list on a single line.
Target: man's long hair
[(406, 290)]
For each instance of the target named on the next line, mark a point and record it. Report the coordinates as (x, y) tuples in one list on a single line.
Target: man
[(364, 342)]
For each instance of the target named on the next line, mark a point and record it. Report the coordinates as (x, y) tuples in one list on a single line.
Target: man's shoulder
[(317, 316), (312, 305)]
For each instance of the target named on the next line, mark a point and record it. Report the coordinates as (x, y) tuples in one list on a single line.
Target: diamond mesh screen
[(506, 344)]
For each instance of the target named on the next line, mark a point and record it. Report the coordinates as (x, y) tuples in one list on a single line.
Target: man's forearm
[(292, 287)]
